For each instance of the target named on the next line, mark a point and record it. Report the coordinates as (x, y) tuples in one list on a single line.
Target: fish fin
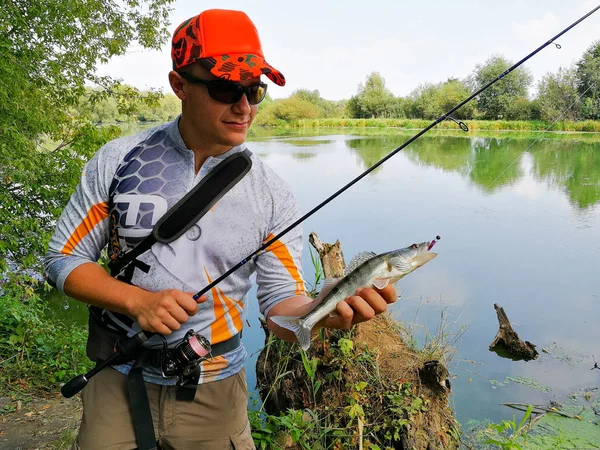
[(400, 264), (380, 283), (328, 285), (358, 260), (303, 334)]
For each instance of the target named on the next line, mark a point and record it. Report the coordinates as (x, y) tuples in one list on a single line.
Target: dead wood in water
[(507, 341)]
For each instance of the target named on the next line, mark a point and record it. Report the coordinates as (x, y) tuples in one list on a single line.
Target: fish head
[(405, 260)]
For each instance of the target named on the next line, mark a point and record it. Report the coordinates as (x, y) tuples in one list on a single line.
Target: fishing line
[(540, 136), (443, 117)]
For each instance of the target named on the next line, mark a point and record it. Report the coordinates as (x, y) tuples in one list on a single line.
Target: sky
[(332, 46)]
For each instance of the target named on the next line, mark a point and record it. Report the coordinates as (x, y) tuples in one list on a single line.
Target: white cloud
[(537, 29)]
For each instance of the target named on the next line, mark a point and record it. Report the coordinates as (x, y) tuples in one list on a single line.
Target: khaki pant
[(216, 419)]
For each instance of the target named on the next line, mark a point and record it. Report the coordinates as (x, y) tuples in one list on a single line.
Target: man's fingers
[(186, 301), (374, 299), (361, 307), (177, 313), (202, 298), (388, 293), (344, 317)]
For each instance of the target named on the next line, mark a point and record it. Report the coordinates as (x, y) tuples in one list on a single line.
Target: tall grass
[(474, 125)]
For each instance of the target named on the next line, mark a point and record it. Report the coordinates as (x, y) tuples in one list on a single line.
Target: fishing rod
[(384, 159), (191, 342)]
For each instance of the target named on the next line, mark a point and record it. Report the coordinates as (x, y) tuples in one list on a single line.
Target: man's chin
[(235, 139)]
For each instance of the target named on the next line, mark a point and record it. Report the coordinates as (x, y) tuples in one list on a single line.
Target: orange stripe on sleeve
[(223, 305), (95, 215), (283, 254)]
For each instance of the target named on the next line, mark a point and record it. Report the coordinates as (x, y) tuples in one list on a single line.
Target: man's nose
[(242, 105)]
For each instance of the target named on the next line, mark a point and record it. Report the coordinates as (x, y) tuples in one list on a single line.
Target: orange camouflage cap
[(226, 43)]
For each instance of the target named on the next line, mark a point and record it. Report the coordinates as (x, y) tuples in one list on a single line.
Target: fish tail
[(303, 334)]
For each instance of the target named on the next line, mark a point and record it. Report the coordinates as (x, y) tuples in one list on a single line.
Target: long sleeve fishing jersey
[(130, 183)]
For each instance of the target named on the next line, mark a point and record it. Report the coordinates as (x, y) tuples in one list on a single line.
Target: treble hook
[(463, 126)]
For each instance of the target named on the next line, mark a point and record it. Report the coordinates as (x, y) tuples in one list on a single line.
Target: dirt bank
[(369, 384), (45, 422)]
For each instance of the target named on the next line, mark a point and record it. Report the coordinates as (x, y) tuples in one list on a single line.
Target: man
[(126, 187)]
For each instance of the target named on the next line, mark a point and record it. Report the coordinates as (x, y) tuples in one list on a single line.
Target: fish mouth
[(423, 254), (423, 258)]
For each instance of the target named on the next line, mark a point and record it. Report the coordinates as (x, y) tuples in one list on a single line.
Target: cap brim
[(240, 67)]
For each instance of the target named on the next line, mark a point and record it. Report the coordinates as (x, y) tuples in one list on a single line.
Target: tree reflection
[(492, 163), (573, 167)]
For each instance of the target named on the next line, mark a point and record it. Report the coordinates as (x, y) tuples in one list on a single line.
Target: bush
[(36, 351), (293, 108)]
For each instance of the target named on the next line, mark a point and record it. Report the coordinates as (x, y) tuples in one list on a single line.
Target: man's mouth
[(237, 124)]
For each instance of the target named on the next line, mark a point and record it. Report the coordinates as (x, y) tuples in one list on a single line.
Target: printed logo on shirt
[(135, 207)]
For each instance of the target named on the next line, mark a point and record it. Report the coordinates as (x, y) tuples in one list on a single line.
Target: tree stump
[(331, 256), (507, 342)]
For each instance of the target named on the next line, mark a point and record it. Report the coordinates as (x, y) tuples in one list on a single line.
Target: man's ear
[(176, 83)]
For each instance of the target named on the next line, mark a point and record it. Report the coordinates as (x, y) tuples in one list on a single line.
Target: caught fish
[(365, 270)]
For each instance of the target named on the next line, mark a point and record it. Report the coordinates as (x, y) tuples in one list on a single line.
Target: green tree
[(588, 82), (519, 109), (313, 97), (494, 102), (291, 108), (431, 101), (557, 95), (327, 108), (48, 52), (372, 100)]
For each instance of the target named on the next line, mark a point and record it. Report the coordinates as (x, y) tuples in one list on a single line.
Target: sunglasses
[(226, 91)]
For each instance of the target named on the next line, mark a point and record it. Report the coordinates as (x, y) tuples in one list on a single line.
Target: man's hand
[(159, 312), (365, 304), (163, 312)]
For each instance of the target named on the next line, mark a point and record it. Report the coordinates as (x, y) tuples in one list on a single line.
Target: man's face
[(215, 123)]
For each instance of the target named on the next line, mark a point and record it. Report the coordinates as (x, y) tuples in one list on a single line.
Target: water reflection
[(575, 168), (304, 156), (491, 163)]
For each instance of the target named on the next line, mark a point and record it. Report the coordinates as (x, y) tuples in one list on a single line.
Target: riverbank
[(39, 422), (592, 126)]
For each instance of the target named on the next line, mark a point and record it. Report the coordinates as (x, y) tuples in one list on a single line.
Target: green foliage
[(588, 82), (431, 101), (293, 108), (327, 108), (152, 109), (348, 380), (557, 94), (48, 52), (35, 350), (36, 184), (294, 426), (373, 99), (519, 109), (509, 426), (494, 102)]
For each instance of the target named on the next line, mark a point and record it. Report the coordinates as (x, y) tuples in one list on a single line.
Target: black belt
[(138, 397), (154, 356)]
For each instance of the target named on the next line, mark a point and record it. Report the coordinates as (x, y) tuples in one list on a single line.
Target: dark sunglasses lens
[(228, 92), (224, 92), (256, 94)]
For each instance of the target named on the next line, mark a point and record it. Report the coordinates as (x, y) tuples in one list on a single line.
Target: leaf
[(526, 416), (361, 385), (317, 386)]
